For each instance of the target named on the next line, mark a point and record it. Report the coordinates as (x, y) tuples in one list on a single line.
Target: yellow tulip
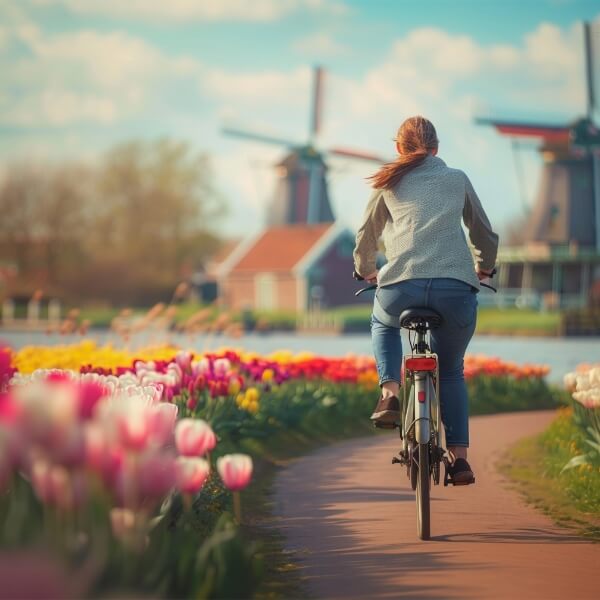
[(252, 394), (268, 375)]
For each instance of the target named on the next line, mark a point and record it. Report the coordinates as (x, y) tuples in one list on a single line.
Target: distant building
[(289, 267)]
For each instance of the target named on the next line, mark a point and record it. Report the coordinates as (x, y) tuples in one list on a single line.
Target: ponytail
[(417, 138)]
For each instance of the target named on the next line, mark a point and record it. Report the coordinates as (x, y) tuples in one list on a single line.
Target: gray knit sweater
[(420, 219)]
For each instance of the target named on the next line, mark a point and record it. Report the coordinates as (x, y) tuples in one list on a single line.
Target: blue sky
[(78, 76)]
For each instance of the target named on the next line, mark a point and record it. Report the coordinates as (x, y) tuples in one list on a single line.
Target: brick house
[(289, 267)]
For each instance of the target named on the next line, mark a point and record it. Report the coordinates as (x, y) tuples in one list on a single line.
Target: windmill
[(301, 193), (567, 206)]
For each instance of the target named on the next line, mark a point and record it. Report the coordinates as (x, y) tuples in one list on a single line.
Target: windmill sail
[(301, 192)]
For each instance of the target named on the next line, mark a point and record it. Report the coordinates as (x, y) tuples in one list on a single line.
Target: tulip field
[(124, 472)]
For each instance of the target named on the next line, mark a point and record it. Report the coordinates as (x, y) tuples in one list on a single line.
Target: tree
[(123, 230), (157, 206), (43, 216)]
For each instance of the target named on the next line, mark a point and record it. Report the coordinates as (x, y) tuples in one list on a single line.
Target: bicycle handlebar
[(369, 288)]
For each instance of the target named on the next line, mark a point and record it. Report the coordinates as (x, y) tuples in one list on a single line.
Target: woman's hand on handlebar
[(483, 274), (372, 278)]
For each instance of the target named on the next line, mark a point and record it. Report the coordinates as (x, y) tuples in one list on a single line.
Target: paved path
[(350, 515)]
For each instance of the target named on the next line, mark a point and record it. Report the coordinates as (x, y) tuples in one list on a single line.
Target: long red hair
[(417, 138)]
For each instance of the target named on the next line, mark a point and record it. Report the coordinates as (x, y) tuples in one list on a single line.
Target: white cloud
[(198, 10), (83, 76), (273, 86), (61, 107), (320, 45)]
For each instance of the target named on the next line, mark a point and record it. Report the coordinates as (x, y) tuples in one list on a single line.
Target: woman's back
[(420, 221)]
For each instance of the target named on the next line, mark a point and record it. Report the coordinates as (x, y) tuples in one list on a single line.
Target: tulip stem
[(237, 507)]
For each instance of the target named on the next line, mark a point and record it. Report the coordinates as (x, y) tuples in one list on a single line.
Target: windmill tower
[(301, 191), (560, 261), (567, 205)]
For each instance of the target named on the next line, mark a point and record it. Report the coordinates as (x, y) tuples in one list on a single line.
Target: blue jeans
[(456, 302)]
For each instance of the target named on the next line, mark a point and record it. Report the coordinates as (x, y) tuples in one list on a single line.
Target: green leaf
[(576, 461)]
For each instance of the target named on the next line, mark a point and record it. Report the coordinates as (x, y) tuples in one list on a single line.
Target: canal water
[(560, 354)]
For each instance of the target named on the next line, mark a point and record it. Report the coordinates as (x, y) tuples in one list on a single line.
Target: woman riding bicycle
[(418, 205)]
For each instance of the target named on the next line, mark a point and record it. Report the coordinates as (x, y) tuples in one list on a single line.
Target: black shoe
[(459, 473), (387, 410)]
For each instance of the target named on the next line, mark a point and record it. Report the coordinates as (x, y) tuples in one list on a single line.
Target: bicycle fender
[(422, 401)]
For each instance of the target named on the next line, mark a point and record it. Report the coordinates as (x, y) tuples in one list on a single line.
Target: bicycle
[(420, 428)]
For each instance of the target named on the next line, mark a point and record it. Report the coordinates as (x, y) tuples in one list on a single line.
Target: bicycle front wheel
[(423, 486)]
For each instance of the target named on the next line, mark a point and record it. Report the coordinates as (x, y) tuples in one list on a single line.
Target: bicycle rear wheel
[(423, 484)]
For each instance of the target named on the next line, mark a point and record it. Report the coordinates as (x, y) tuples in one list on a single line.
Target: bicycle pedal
[(379, 425)]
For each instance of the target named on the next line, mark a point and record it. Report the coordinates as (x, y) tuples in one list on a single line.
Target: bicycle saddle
[(414, 318)]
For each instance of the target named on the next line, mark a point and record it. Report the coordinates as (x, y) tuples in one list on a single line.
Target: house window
[(265, 291)]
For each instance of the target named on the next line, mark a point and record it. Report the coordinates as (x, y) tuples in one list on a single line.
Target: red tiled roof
[(281, 248)]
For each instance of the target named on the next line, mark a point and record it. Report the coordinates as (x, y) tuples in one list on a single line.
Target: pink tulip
[(194, 437), (55, 485), (222, 366), (191, 473), (112, 465), (6, 368), (155, 473), (133, 422), (90, 393), (184, 360), (68, 447), (201, 367), (133, 432), (174, 373), (158, 391), (10, 410), (162, 422), (235, 470)]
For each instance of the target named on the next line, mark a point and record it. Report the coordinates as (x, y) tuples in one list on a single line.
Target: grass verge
[(513, 321), (571, 498), (356, 319)]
